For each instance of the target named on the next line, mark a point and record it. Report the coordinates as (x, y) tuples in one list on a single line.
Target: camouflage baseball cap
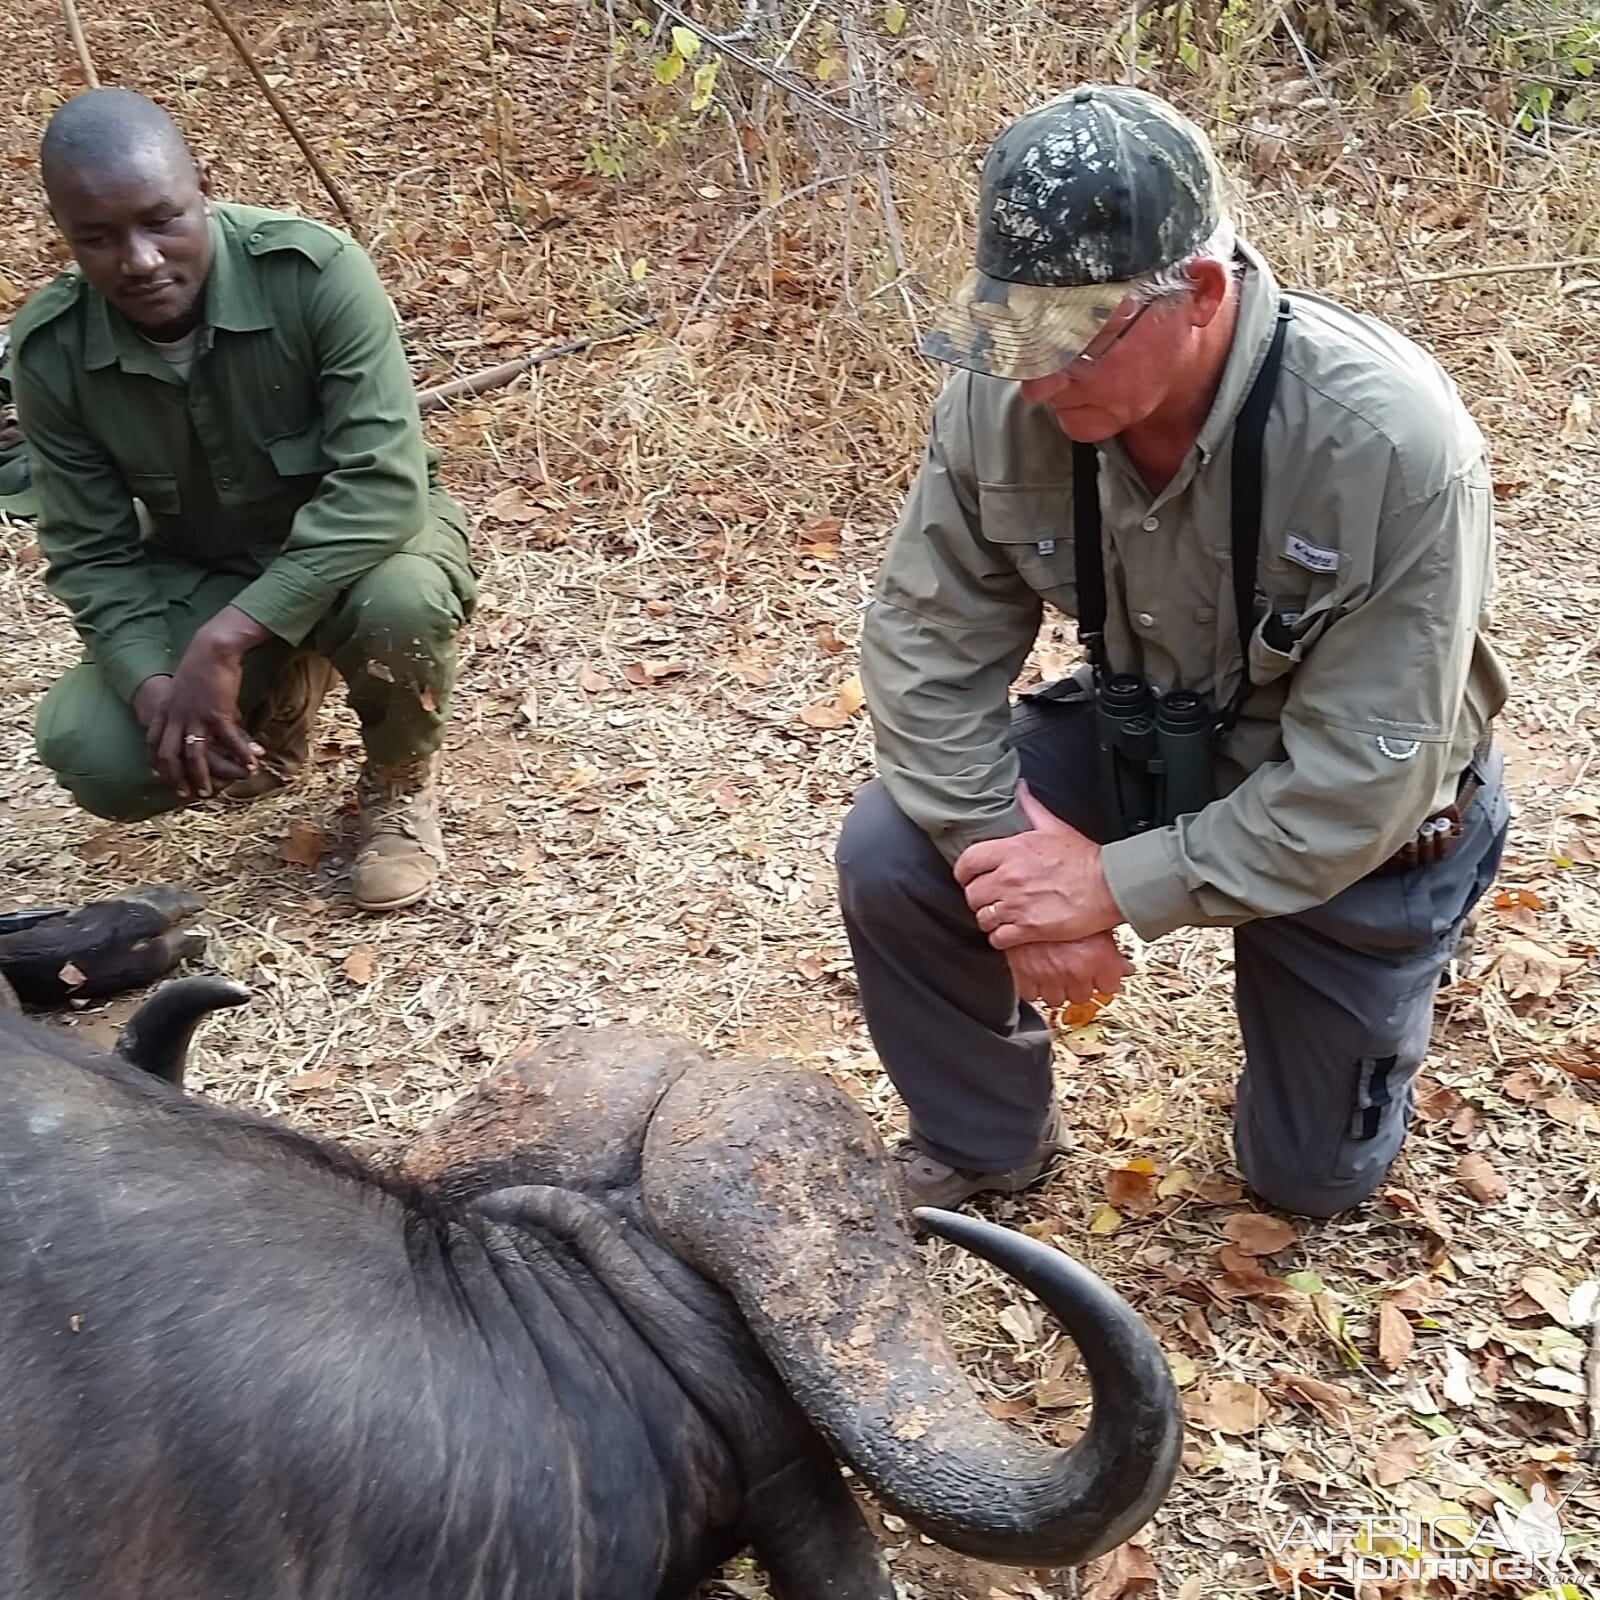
[(1078, 197)]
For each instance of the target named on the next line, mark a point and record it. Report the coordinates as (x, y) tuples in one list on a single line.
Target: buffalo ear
[(50, 957), (157, 1036)]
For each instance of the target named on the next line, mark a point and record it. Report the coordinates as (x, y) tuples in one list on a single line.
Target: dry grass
[(676, 535)]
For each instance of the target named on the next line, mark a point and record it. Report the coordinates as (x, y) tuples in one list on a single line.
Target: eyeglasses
[(1087, 363)]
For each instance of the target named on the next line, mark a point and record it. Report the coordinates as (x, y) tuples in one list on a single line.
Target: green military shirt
[(293, 453), (1376, 555)]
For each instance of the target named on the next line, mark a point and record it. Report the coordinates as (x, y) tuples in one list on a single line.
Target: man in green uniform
[(235, 498)]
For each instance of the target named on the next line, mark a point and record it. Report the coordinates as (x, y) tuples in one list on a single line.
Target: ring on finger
[(194, 738)]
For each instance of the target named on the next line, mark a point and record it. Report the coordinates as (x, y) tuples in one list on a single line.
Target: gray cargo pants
[(1335, 1004)]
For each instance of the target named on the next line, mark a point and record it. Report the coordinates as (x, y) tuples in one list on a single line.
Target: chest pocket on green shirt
[(157, 491), (300, 454)]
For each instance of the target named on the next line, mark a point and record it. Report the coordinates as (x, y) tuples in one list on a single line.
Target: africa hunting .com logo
[(1529, 1546)]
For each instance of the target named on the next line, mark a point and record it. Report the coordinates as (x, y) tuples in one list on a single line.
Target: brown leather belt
[(1437, 834)]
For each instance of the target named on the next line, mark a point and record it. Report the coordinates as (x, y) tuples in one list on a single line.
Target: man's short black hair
[(102, 129)]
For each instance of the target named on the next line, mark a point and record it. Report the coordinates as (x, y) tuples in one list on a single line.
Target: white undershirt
[(177, 353)]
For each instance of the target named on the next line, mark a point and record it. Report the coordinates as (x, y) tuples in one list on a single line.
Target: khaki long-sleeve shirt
[(1377, 545), (293, 454)]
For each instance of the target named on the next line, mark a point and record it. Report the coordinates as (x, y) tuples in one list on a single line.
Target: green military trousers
[(391, 635)]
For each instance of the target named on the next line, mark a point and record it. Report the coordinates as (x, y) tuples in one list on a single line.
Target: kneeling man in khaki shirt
[(1272, 519)]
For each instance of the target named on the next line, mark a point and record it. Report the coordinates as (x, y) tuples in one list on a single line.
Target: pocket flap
[(158, 491), (1025, 514)]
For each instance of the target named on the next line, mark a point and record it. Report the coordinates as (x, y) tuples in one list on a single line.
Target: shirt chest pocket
[(1286, 630), (1032, 524), (300, 454)]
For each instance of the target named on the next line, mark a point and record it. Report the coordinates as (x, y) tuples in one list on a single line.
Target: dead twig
[(1501, 270), (497, 377), (1352, 140), (80, 44), (719, 41), (1591, 1449), (236, 39), (745, 228)]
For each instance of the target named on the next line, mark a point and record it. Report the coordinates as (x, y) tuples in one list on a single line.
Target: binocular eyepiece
[(1155, 753)]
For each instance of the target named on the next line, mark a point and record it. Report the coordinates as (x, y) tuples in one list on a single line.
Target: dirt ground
[(658, 727)]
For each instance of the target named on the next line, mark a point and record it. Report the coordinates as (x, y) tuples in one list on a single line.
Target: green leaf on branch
[(705, 82), (669, 68), (686, 42), (894, 16)]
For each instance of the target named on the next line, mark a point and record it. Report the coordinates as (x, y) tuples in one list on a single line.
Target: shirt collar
[(232, 302)]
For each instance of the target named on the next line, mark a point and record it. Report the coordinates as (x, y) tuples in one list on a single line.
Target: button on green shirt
[(293, 454)]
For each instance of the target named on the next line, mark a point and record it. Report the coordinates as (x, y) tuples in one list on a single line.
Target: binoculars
[(1154, 754)]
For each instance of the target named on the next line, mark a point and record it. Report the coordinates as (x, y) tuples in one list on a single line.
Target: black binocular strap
[(1088, 548)]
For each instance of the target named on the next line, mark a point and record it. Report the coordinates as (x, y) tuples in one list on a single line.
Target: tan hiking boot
[(283, 726), (923, 1181), (401, 852)]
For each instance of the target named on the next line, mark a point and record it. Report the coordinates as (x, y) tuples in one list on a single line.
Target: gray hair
[(1173, 282)]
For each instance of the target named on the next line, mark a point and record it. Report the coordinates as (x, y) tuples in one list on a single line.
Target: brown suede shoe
[(926, 1182), (284, 724), (401, 852)]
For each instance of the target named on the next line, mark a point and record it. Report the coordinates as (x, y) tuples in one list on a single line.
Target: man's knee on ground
[(1289, 1188), (406, 607), (108, 776)]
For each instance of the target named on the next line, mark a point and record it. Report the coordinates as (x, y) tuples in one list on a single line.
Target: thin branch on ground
[(744, 230), (236, 39), (498, 377), (1501, 269), (80, 44), (1591, 1449)]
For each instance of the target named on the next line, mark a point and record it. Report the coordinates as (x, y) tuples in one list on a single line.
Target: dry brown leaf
[(753, 671), (1333, 1400), (828, 639), (592, 680), (1018, 1322), (512, 504), (1258, 1235), (1478, 1177), (359, 965), (1575, 1113), (1549, 1292), (71, 974), (1436, 1101), (851, 696), (1399, 1457), (1126, 1573), (1395, 1335), (305, 846), (1527, 969), (820, 716), (1230, 1407), (1242, 1277), (1577, 1066), (1132, 1187), (1212, 1190)]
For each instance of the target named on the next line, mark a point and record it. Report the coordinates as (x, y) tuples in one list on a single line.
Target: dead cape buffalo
[(608, 1322)]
